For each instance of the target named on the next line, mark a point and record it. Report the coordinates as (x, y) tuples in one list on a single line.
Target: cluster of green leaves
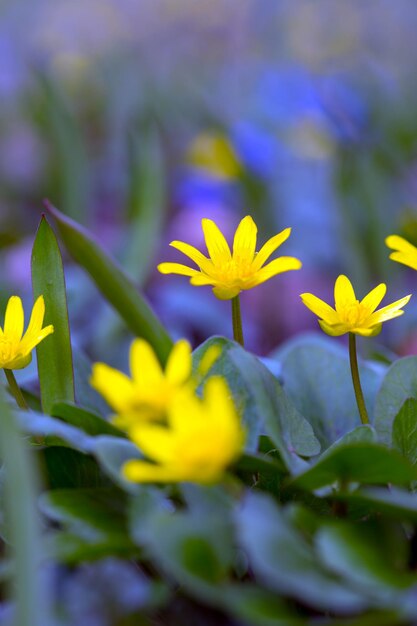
[(315, 524)]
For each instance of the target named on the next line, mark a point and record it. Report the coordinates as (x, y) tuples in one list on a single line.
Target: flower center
[(234, 270), (355, 314)]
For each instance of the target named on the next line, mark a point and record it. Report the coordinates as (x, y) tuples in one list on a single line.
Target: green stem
[(15, 390), (237, 321), (356, 380)]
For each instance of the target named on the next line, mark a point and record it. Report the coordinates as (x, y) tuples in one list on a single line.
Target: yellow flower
[(16, 347), (202, 437), (350, 315), (404, 252), (147, 394), (213, 154), (230, 272)]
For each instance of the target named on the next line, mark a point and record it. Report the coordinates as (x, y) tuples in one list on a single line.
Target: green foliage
[(116, 287), (55, 355)]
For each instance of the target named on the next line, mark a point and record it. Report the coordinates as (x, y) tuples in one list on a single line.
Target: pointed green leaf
[(113, 283), (54, 354)]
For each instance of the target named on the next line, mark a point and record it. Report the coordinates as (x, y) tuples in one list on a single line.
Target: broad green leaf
[(353, 551), (285, 562), (391, 502), (399, 384), (87, 421), (256, 606), (94, 520), (194, 550), (23, 524), (365, 463), (113, 283), (54, 353), (146, 201), (259, 399), (54, 431), (66, 468), (404, 430), (69, 548), (316, 376), (112, 453)]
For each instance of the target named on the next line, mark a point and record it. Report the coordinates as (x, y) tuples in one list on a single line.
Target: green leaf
[(113, 283), (54, 431), (24, 528), (285, 562), (316, 376), (66, 468), (257, 607), (146, 202), (194, 550), (112, 453), (365, 463), (404, 430), (259, 398), (54, 353), (399, 384), (95, 521), (353, 551), (87, 421), (393, 502)]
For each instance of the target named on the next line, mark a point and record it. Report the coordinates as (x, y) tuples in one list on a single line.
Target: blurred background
[(139, 117)]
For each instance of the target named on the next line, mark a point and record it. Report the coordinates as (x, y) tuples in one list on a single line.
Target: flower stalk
[(237, 321), (15, 390), (360, 400)]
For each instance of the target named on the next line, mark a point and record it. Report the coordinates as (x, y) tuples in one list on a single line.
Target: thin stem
[(237, 321), (15, 390), (356, 380)]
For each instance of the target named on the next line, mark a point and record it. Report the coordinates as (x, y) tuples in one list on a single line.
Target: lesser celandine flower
[(356, 318), (202, 437), (231, 271), (146, 395), (16, 347), (404, 252)]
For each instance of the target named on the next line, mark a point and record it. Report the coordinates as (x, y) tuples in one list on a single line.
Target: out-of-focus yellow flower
[(214, 155), (149, 392), (230, 272), (202, 437), (404, 252), (351, 315), (16, 347)]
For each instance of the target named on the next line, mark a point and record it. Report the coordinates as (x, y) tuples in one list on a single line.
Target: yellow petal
[(17, 363), (176, 268), (202, 279), (144, 472), (31, 339), (320, 308), (335, 331), (144, 365), (269, 247), (195, 255), (277, 266), (37, 316), (217, 246), (14, 320), (244, 242), (374, 297), (344, 295), (405, 253), (114, 386), (389, 312), (367, 332), (225, 292), (178, 368), (156, 442)]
